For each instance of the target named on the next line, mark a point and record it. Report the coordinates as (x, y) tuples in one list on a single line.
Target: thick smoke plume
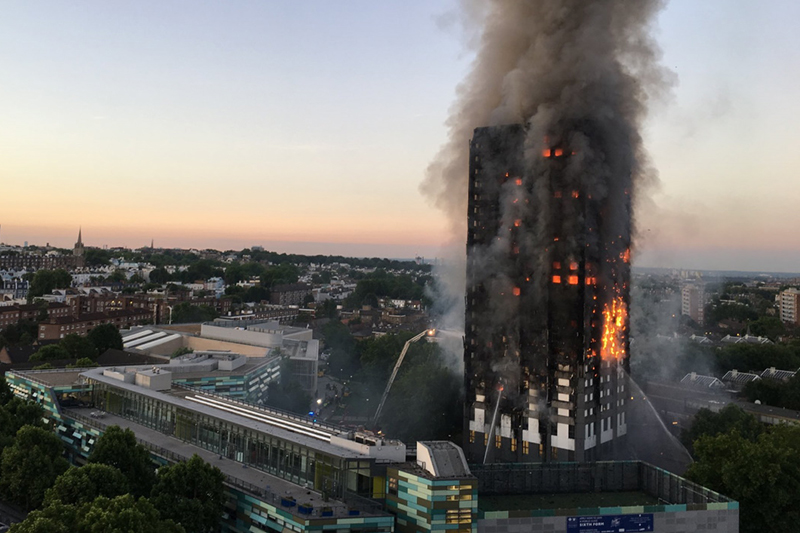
[(576, 73)]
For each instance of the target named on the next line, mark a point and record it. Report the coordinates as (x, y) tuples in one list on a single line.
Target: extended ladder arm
[(394, 373)]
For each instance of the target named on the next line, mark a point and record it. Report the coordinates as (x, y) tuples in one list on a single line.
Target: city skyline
[(309, 130)]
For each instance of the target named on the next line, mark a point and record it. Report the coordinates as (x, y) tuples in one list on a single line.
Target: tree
[(78, 347), (20, 334), (82, 485), (30, 466), (424, 385), (767, 326), (104, 337), (125, 513), (14, 414), (51, 352), (120, 514), (96, 257), (5, 391), (159, 275), (328, 309), (118, 448), (731, 418), (186, 312), (45, 281), (55, 518), (763, 475), (118, 275), (343, 361), (83, 363), (191, 494)]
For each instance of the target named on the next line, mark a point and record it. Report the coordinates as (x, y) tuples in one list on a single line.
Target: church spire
[(80, 230)]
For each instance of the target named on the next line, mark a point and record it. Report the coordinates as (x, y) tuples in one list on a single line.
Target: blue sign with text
[(628, 523)]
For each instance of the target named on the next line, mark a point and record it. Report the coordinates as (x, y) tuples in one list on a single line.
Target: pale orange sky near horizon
[(309, 129)]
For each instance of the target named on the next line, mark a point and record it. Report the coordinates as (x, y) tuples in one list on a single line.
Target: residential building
[(548, 269), (13, 314), (789, 302), (60, 327), (289, 294), (693, 302)]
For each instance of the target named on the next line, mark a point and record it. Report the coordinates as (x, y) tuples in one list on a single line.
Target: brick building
[(13, 314), (58, 328), (289, 294)]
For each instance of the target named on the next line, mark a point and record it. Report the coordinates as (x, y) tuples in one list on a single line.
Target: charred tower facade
[(548, 268)]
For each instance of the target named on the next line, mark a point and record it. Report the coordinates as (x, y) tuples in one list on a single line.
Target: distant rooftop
[(706, 382), (773, 373), (739, 378)]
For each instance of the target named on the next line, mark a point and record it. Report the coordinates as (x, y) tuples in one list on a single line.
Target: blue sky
[(307, 126)]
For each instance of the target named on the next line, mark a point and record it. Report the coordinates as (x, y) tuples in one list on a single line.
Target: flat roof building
[(292, 473)]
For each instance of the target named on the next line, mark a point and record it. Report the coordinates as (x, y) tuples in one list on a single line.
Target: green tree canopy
[(747, 357), (82, 485), (30, 466), (22, 333), (51, 352), (45, 281), (84, 362), (14, 414), (767, 326), (159, 275), (186, 312), (343, 360), (280, 275), (118, 448), (104, 337), (123, 514), (96, 257), (78, 347), (425, 384), (731, 418), (327, 309), (381, 284), (763, 475), (5, 391), (191, 494)]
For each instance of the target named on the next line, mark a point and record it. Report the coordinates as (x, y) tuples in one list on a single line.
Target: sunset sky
[(307, 127)]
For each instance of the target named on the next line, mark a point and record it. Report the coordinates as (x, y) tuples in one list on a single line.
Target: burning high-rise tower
[(548, 253), (562, 88)]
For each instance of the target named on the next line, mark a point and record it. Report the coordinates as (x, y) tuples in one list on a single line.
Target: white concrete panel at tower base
[(591, 442), (606, 435), (505, 426), (563, 412), (532, 433), (561, 439), (478, 422), (622, 427)]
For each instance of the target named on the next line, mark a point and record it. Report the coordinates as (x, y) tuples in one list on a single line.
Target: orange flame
[(626, 255), (615, 318)]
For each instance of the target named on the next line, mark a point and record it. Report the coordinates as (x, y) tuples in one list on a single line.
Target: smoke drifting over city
[(579, 76)]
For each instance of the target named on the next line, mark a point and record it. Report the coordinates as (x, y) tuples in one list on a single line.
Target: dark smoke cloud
[(579, 72)]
